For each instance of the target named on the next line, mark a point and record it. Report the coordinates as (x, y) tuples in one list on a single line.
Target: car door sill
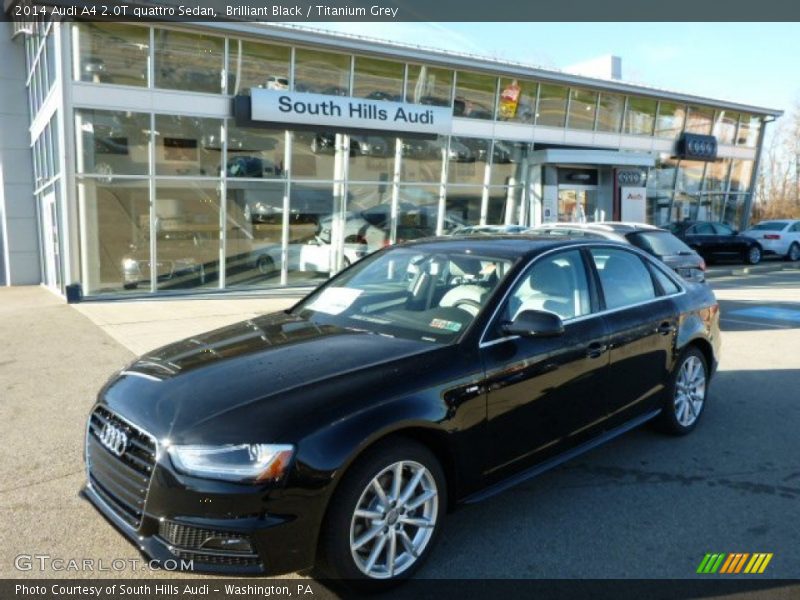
[(551, 463)]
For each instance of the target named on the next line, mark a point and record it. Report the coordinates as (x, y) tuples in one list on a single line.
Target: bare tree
[(778, 194)]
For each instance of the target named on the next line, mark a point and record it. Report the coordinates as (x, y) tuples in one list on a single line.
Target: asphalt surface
[(643, 506)]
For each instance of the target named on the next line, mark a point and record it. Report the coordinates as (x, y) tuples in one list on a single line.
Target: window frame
[(486, 338), (484, 341)]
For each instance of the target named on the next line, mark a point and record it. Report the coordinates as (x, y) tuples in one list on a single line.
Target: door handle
[(596, 350), (666, 328)]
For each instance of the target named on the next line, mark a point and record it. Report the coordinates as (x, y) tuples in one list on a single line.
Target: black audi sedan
[(714, 241), (335, 436)]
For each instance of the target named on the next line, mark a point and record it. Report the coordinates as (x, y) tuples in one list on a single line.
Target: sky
[(751, 63)]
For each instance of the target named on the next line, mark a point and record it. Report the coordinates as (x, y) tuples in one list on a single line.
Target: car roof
[(615, 226), (505, 246)]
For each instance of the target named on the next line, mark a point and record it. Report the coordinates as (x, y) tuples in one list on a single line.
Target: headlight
[(240, 462)]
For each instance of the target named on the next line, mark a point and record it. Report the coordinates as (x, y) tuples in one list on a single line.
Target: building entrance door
[(578, 204), (50, 242)]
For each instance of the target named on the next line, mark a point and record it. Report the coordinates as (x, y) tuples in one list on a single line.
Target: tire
[(355, 549), (265, 265), (682, 410), (753, 255), (794, 252)]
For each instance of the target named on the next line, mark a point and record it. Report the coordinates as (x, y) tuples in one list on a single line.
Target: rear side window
[(771, 226), (623, 276), (723, 229), (668, 286), (660, 243), (702, 229)]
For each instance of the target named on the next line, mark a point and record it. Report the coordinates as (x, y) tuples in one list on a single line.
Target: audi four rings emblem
[(702, 148), (630, 177), (114, 439)]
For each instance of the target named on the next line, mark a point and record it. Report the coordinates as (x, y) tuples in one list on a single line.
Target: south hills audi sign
[(301, 108)]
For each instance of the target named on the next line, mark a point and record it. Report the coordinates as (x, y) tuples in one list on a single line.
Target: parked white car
[(781, 237)]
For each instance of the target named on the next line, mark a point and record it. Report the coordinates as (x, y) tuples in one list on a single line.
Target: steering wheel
[(471, 306)]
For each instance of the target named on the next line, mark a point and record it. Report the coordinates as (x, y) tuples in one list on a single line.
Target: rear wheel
[(385, 517), (794, 252), (686, 394), (753, 256)]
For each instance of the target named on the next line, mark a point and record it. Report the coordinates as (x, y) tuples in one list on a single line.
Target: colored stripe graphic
[(764, 564), (711, 562), (728, 563), (734, 563)]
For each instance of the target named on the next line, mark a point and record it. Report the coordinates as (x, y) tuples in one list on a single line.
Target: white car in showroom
[(781, 237)]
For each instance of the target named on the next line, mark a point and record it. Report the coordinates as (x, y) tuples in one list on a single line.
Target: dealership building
[(193, 158)]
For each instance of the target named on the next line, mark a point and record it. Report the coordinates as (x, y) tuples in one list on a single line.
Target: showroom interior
[(129, 172)]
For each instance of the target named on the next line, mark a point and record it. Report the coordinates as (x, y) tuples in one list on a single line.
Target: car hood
[(272, 368)]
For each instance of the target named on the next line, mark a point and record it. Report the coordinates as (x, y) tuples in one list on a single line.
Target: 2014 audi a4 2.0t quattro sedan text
[(337, 434)]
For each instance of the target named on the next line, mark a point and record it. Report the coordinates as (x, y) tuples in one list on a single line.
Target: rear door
[(642, 324), (729, 243)]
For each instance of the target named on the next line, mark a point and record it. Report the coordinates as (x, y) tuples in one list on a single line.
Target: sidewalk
[(767, 266), (141, 325), (52, 363)]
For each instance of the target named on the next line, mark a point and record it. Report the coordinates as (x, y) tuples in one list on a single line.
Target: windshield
[(409, 293), (659, 243), (770, 226)]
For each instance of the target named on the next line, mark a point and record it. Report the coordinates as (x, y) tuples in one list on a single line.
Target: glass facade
[(185, 201)]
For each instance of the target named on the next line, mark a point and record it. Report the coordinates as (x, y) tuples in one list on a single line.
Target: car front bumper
[(204, 525)]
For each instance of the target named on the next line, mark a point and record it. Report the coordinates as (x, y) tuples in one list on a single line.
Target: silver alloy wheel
[(690, 391), (754, 255), (794, 252), (394, 520)]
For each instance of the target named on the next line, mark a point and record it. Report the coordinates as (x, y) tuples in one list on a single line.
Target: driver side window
[(556, 283)]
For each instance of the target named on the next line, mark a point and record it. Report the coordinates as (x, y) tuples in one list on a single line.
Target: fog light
[(228, 544)]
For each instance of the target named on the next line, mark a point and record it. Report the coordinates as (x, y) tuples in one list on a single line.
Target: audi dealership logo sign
[(113, 438), (631, 178), (697, 147)]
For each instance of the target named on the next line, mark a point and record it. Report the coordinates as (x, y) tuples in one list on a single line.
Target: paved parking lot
[(642, 506)]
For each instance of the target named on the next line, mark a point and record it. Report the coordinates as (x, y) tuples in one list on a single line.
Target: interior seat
[(551, 290)]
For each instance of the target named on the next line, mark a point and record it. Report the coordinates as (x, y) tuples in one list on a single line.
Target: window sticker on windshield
[(453, 326), (335, 300)]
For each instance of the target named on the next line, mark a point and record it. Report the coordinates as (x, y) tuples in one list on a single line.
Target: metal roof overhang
[(592, 157)]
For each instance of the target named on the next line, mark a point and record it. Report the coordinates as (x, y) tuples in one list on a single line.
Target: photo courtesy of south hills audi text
[(74, 591)]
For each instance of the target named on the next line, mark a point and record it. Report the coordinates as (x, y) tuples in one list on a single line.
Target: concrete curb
[(735, 270)]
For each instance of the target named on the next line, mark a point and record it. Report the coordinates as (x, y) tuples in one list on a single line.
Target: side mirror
[(535, 323)]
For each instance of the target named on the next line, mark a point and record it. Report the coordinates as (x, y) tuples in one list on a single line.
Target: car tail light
[(772, 236), (702, 265)]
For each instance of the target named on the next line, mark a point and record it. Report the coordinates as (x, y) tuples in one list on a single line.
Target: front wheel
[(686, 394), (753, 255), (385, 517)]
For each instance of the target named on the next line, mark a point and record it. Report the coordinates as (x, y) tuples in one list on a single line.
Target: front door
[(578, 205), (545, 393), (50, 242)]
